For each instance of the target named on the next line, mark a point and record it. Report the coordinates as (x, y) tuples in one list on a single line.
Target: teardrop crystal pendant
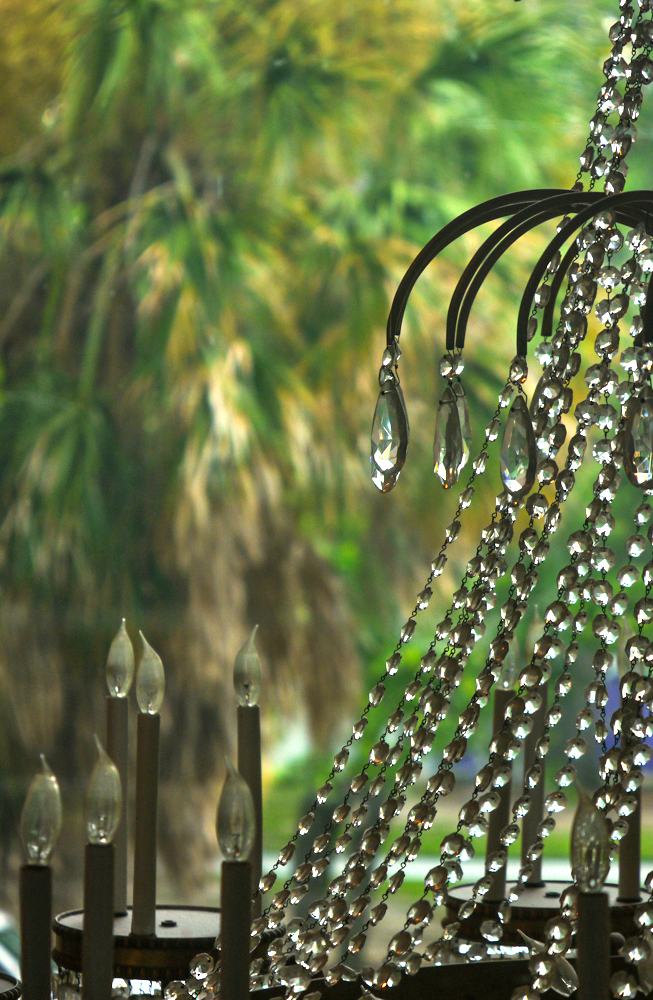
[(465, 423), (518, 450), (448, 444), (638, 442), (389, 438)]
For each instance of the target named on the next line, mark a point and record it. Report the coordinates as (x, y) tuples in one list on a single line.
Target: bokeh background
[(205, 208)]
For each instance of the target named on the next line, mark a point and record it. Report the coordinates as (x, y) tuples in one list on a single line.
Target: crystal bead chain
[(607, 102), (392, 664), (437, 568), (560, 689), (430, 797), (603, 134)]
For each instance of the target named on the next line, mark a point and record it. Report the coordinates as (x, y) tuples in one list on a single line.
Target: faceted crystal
[(448, 450), (465, 424), (638, 449), (518, 451), (389, 438)]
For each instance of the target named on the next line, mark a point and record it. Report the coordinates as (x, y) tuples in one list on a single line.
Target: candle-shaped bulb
[(150, 680), (40, 822), (590, 845), (103, 799), (247, 672), (120, 663), (236, 822)]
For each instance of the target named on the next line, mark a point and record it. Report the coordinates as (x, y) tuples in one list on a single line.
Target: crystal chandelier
[(511, 938)]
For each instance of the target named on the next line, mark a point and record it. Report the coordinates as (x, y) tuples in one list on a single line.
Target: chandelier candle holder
[(235, 828), (120, 674), (247, 684), (103, 814), (150, 687), (40, 828), (172, 935)]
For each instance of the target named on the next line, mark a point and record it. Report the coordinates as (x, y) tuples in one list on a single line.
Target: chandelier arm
[(488, 211), (632, 198), (477, 270), (488, 255)]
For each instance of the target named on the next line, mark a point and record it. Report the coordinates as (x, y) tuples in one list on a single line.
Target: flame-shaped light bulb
[(590, 845), (40, 822), (236, 822), (150, 680), (120, 663), (103, 799), (247, 672)]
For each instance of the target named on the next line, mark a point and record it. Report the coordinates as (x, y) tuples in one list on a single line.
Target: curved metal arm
[(527, 210), (489, 211), (632, 200)]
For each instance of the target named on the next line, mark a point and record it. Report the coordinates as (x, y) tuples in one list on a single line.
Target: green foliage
[(198, 249)]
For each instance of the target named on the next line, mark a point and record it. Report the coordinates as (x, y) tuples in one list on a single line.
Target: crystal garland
[(340, 917)]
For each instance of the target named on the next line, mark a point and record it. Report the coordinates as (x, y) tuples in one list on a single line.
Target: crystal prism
[(465, 423), (448, 449), (638, 445), (518, 450), (389, 438)]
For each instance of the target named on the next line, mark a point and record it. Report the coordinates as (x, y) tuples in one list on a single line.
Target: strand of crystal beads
[(406, 928), (420, 765), (610, 100), (636, 950), (550, 525), (553, 801), (392, 664), (445, 859), (601, 662), (636, 73), (421, 750), (434, 795), (465, 499)]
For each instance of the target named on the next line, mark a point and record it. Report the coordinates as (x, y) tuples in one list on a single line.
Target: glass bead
[(400, 943), (467, 909), (448, 366), (268, 880), (286, 853), (509, 834), (376, 694), (624, 984), (437, 566), (556, 802), (644, 913), (492, 430), (546, 827)]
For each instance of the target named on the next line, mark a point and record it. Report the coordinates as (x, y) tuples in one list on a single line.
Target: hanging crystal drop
[(518, 450), (448, 445), (465, 423), (638, 447), (389, 438)]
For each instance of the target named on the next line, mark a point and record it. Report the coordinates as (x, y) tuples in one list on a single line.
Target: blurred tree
[(198, 248)]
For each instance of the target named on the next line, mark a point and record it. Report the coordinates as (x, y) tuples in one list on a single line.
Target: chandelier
[(584, 428), (511, 938)]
